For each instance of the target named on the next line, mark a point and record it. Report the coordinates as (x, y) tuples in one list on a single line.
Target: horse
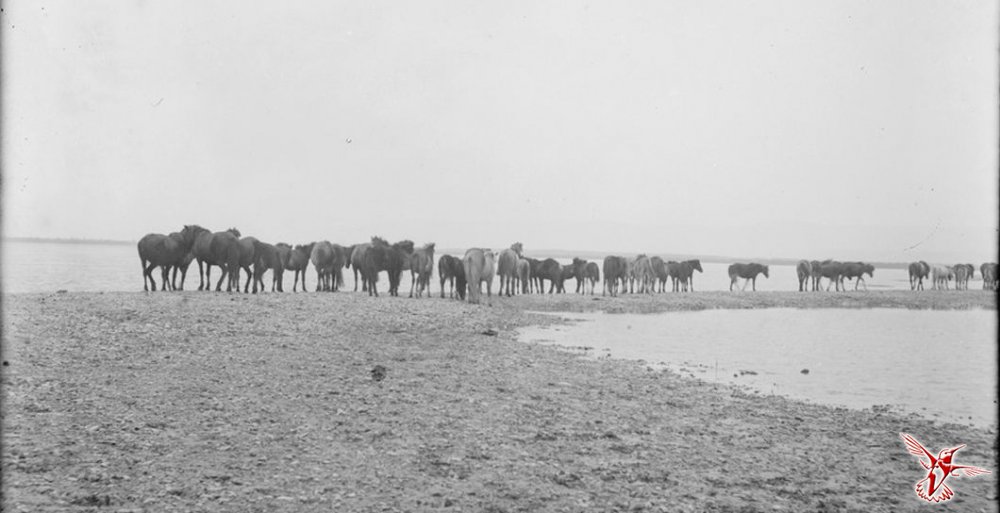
[(989, 272), (507, 267), (357, 262), (918, 271), (963, 273), (579, 272), (815, 273), (421, 268), (615, 267), (567, 271), (550, 270), (479, 266), (748, 272), (535, 267), (592, 274), (660, 271), (341, 259), (449, 269), (857, 270), (804, 271), (297, 260), (389, 258), (181, 264), (833, 271), (268, 257), (674, 273), (165, 251), (941, 274), (523, 271), (220, 249), (642, 274), (245, 247), (685, 273), (322, 258)]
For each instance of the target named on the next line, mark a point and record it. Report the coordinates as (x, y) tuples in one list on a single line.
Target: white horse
[(942, 274)]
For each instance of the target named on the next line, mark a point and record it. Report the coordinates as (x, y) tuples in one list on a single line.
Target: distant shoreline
[(46, 240), (550, 253)]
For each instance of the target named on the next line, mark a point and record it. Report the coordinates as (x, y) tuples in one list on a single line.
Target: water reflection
[(940, 364)]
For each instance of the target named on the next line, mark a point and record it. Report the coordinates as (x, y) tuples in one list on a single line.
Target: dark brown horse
[(535, 283), (164, 251), (247, 247), (833, 271), (421, 268), (219, 249), (661, 272), (857, 270), (389, 258), (748, 272), (918, 271), (450, 269), (568, 271), (267, 257), (615, 269), (685, 273), (181, 265), (550, 270), (298, 261)]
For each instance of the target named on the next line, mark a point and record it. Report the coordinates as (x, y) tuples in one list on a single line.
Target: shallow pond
[(939, 364)]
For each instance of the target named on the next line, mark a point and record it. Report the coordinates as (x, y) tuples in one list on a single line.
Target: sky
[(852, 129)]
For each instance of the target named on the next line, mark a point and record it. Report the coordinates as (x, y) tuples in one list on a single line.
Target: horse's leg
[(145, 282), (226, 272), (165, 275)]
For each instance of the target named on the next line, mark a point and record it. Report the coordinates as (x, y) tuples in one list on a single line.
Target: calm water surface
[(51, 266), (940, 364)]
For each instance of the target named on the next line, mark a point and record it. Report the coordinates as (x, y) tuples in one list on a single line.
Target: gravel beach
[(339, 402)]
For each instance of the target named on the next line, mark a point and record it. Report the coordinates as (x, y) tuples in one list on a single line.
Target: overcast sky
[(847, 129)]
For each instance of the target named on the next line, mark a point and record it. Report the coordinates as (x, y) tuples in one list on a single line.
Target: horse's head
[(869, 269), (191, 232), (696, 264), (764, 269), (235, 232), (379, 241), (429, 247), (517, 247)]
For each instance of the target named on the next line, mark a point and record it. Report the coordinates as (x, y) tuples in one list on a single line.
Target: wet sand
[(217, 402)]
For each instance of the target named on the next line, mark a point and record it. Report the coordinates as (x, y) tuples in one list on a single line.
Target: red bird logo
[(932, 488)]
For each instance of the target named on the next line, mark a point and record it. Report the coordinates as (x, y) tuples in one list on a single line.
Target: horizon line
[(560, 253)]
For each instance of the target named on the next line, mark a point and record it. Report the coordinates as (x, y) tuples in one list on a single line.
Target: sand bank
[(217, 402)]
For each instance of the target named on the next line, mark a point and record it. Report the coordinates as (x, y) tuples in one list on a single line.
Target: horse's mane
[(405, 245)]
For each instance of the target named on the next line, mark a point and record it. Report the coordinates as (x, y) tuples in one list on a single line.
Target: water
[(939, 364), (51, 266)]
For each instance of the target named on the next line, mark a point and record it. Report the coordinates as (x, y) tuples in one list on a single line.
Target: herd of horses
[(940, 275), (231, 253)]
